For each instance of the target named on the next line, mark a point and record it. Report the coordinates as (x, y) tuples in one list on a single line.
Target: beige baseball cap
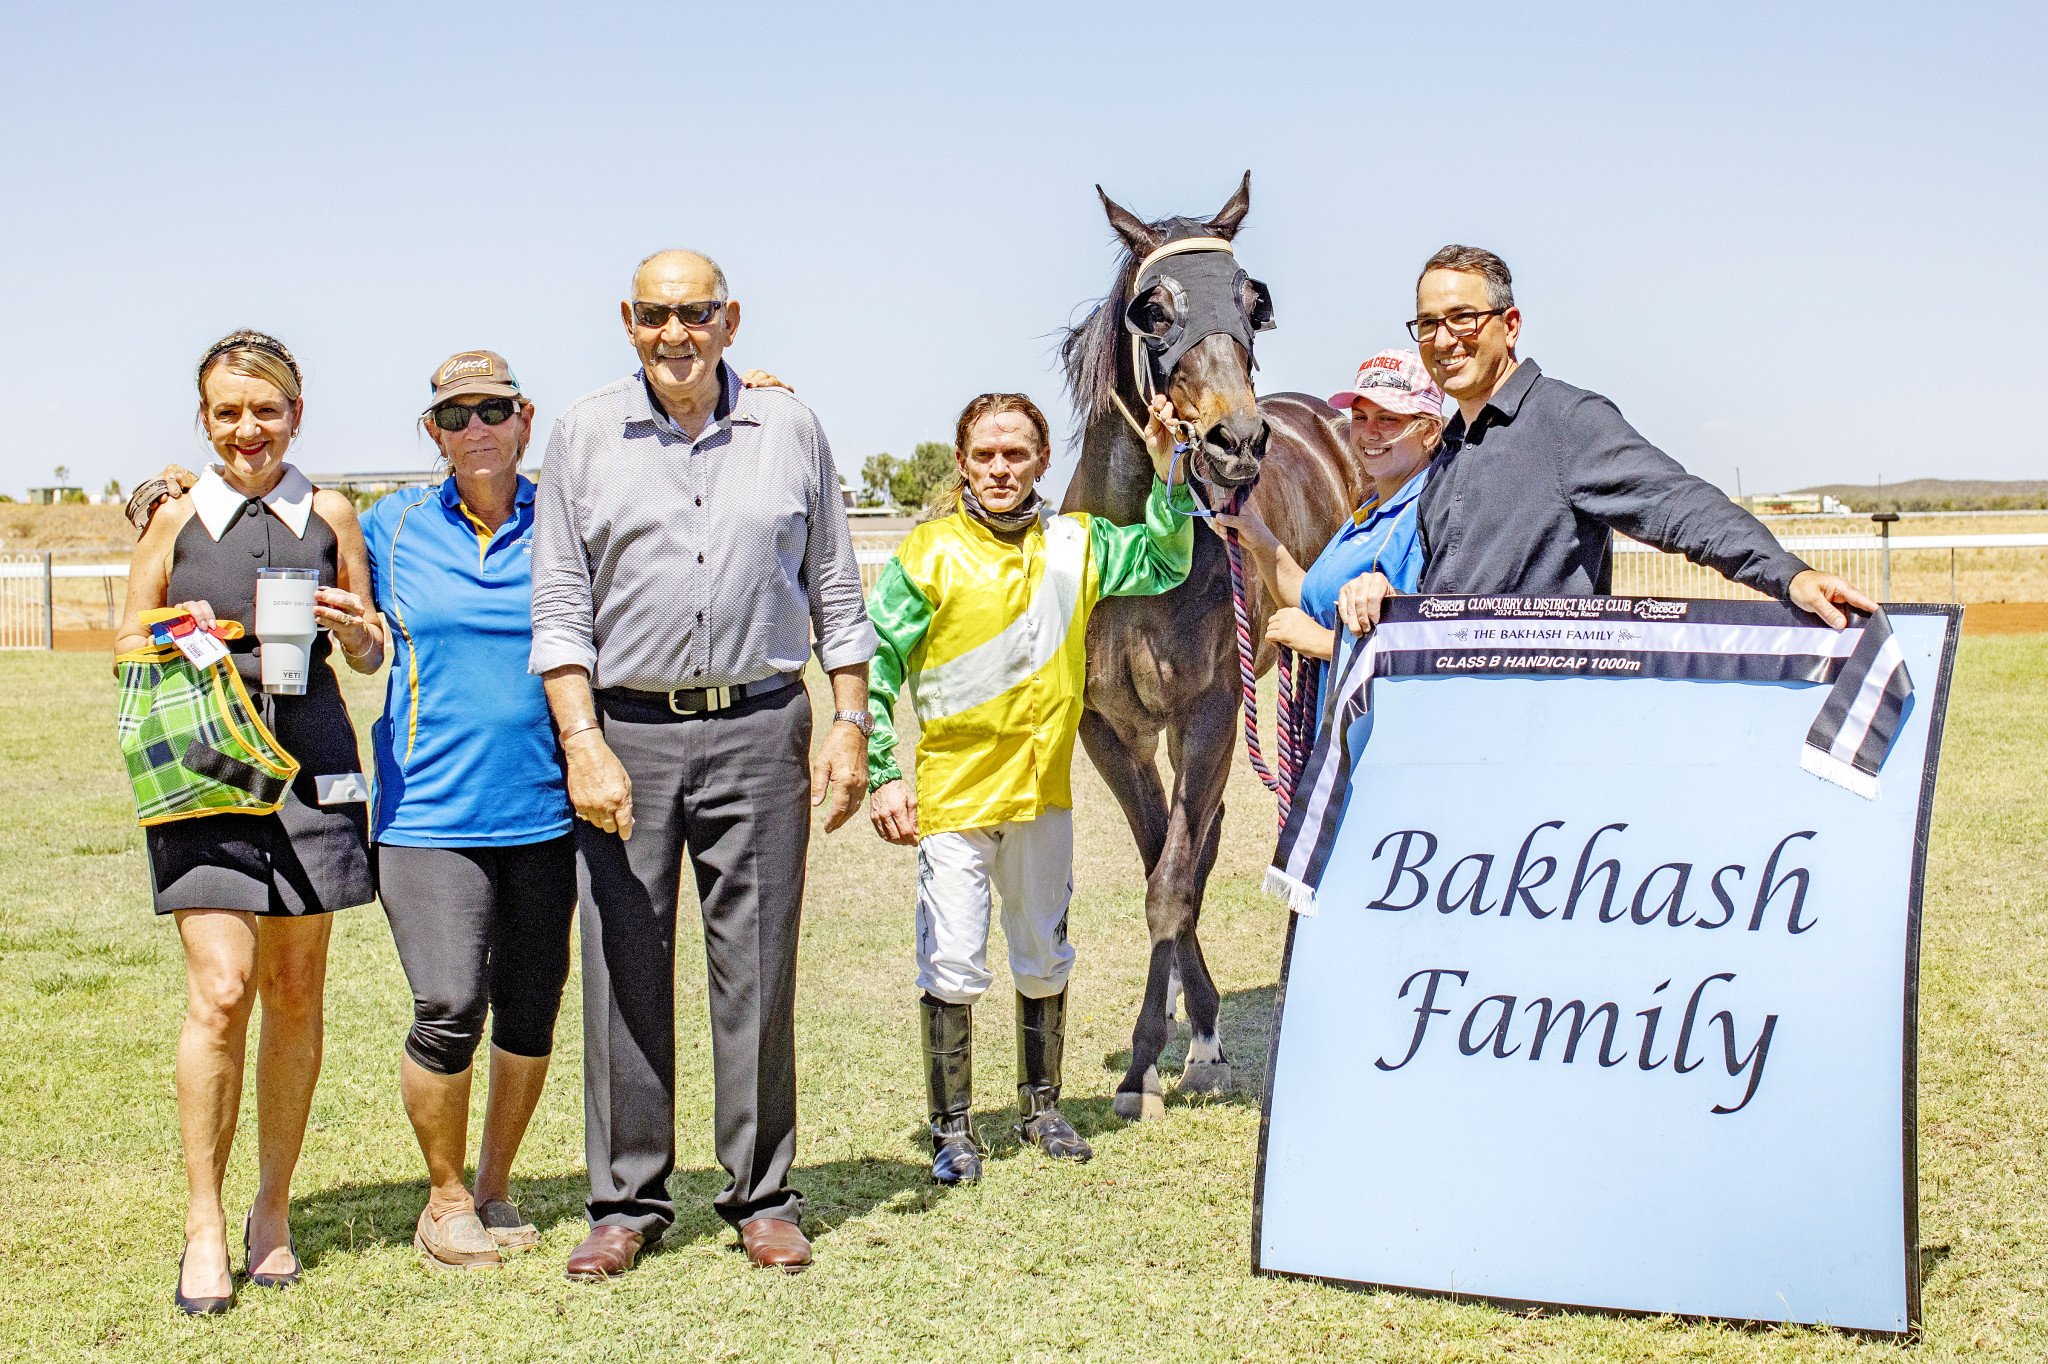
[(483, 373)]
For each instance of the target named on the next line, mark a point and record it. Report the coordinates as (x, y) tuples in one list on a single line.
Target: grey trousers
[(731, 791)]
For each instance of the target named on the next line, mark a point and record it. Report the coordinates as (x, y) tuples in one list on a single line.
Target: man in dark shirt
[(1534, 476)]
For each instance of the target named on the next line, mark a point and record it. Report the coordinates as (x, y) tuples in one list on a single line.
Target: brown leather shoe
[(773, 1243), (605, 1254)]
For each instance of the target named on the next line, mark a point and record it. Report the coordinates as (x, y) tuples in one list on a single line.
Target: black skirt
[(308, 858)]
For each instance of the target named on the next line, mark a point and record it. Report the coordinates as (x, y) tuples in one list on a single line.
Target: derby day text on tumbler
[(1768, 894), (285, 626)]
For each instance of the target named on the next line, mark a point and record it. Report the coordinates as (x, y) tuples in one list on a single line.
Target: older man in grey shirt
[(689, 544)]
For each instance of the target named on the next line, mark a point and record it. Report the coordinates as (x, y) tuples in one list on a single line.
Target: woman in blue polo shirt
[(471, 816), (1396, 420)]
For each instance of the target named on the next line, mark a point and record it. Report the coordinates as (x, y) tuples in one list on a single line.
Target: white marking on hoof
[(1147, 1105), (1205, 1051)]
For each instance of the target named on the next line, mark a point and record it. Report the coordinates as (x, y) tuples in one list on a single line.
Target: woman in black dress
[(251, 893)]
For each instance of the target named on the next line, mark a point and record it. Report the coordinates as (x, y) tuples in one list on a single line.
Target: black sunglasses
[(655, 316), (455, 416)]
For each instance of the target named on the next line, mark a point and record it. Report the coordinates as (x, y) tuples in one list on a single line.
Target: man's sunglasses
[(655, 316), (455, 416)]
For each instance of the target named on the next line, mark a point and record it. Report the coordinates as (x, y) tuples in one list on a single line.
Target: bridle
[(1141, 359), (1293, 735)]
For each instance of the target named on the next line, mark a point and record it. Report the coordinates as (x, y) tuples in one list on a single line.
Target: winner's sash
[(1713, 641)]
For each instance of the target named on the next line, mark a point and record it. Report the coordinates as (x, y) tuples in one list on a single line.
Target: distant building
[(378, 484), (1796, 504), (47, 496)]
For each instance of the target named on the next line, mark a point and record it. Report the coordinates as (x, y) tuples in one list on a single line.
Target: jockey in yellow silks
[(983, 622)]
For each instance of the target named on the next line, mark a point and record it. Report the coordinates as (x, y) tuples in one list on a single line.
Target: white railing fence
[(1869, 561), (39, 596), (25, 601), (873, 550)]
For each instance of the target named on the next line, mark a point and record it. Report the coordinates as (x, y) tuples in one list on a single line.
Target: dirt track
[(2006, 618)]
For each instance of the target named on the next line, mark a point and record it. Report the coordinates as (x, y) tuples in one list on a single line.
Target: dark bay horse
[(1166, 666)]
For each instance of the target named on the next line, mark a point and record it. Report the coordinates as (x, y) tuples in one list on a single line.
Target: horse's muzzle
[(1234, 448)]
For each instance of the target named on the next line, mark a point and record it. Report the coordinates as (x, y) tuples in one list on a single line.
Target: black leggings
[(480, 928)]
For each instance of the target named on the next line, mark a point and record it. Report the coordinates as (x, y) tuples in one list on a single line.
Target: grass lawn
[(1141, 1255)]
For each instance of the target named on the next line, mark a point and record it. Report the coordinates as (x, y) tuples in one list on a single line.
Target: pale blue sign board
[(1526, 1178)]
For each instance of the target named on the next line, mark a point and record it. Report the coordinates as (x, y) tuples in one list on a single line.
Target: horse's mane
[(1092, 350)]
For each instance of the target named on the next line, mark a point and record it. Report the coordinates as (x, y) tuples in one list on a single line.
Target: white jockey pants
[(1030, 864)]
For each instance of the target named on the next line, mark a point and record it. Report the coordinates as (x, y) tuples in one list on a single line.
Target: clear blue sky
[(1803, 240)]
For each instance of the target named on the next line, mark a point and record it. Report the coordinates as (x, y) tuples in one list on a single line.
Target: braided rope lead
[(1287, 729)]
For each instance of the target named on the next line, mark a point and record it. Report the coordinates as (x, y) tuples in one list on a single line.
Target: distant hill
[(1940, 494)]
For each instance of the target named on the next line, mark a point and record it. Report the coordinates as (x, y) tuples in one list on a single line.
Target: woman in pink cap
[(1396, 417)]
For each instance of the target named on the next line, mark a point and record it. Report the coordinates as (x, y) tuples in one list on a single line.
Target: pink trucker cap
[(1395, 380)]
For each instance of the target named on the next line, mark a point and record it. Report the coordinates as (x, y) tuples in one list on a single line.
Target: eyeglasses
[(1465, 324), (455, 416), (655, 316)]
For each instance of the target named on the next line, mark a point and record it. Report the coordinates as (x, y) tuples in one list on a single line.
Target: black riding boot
[(1041, 1042), (948, 1036)]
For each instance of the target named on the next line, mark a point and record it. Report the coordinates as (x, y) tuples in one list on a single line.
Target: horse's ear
[(1136, 233), (1227, 219)]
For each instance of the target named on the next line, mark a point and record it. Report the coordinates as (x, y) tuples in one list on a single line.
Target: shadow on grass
[(349, 1217), (1245, 1019), (996, 1128)]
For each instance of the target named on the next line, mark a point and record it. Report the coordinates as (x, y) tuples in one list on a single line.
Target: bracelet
[(142, 503), (568, 734)]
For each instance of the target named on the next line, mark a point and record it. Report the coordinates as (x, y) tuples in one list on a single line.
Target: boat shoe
[(457, 1241), (509, 1227)]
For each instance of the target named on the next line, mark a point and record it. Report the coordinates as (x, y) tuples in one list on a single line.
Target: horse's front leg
[(1124, 755), (1207, 747), (1173, 901)]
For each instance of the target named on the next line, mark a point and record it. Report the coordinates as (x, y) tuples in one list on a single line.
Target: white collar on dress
[(291, 501)]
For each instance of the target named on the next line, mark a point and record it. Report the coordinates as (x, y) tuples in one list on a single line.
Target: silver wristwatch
[(862, 720)]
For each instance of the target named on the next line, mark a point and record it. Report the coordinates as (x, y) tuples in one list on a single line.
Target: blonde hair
[(1418, 424), (255, 354), (1433, 425)]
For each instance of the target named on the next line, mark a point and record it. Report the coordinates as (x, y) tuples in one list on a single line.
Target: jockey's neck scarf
[(1015, 519), (1709, 641)]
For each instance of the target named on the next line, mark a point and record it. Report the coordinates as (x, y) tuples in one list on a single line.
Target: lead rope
[(1288, 736), (1291, 725)]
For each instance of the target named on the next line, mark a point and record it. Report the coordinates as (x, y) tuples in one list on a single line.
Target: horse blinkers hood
[(1187, 290)]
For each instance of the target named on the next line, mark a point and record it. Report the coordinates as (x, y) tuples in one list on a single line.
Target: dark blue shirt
[(466, 753), (1527, 501)]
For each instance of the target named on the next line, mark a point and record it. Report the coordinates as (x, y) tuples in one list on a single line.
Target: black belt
[(703, 700)]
